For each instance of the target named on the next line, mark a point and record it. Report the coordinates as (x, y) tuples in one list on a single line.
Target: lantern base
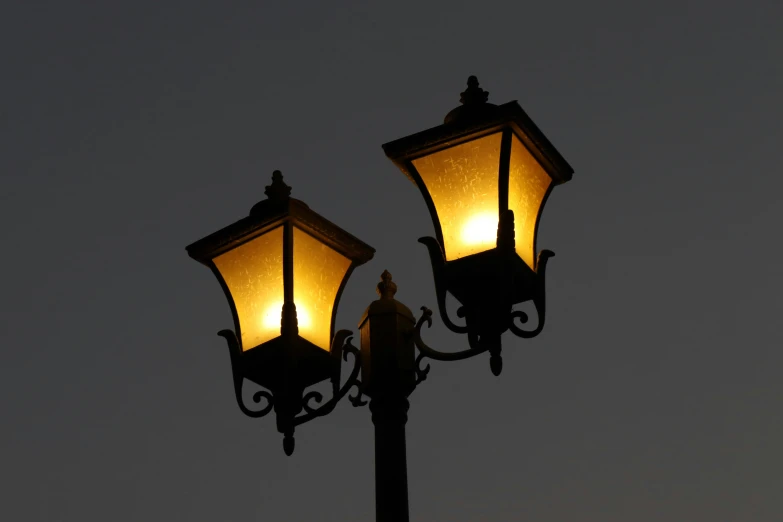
[(487, 285), (288, 361), (496, 279), (490, 276), (285, 395)]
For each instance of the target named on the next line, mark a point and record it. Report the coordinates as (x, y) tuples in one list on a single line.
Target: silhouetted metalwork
[(487, 281), (289, 402)]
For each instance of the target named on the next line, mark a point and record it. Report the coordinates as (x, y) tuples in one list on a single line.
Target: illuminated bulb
[(481, 229), (272, 317)]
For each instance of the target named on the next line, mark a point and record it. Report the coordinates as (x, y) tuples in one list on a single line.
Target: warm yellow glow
[(318, 274), (253, 273), (528, 183), (272, 317), (481, 230), (463, 184)]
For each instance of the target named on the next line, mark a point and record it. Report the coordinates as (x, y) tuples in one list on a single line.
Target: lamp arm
[(438, 272), (539, 300), (235, 352), (353, 380), (426, 351)]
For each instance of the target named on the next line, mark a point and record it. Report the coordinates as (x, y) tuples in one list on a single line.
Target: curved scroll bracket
[(353, 380), (426, 351), (310, 402), (421, 373), (235, 352), (438, 261), (539, 301)]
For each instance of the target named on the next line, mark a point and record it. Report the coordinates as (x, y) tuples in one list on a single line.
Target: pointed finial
[(289, 443), (473, 94), (386, 288), (474, 104), (278, 190)]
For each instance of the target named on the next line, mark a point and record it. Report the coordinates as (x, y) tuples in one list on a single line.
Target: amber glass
[(528, 183), (253, 273), (318, 274), (463, 184)]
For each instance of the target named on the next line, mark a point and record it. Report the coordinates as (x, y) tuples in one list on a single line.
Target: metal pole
[(389, 415)]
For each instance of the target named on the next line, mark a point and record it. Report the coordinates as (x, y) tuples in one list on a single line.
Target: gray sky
[(131, 129)]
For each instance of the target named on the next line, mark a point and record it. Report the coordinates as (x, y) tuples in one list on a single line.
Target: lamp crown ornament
[(473, 94), (474, 104), (386, 288), (278, 190)]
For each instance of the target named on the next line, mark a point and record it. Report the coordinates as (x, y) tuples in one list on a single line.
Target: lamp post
[(485, 175)]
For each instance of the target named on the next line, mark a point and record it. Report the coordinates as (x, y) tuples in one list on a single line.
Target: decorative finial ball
[(474, 95), (278, 190), (386, 288)]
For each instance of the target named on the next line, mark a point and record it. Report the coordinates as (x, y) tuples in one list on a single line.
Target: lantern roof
[(272, 212), (473, 119)]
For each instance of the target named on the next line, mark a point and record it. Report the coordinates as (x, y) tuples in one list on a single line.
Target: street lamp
[(485, 175)]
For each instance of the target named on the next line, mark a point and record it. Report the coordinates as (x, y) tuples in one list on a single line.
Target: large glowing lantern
[(485, 175), (282, 269)]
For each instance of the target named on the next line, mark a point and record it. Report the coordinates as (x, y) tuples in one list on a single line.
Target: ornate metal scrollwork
[(353, 380), (426, 351), (285, 402), (490, 314), (539, 301), (489, 340), (313, 395), (438, 262), (235, 352)]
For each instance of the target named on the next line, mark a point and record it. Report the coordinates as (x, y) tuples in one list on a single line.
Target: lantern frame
[(488, 283), (287, 363)]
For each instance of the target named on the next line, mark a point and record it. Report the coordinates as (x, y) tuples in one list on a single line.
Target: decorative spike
[(288, 444), (496, 364), (474, 104), (495, 348)]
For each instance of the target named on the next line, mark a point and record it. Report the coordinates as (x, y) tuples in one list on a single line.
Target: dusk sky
[(128, 130)]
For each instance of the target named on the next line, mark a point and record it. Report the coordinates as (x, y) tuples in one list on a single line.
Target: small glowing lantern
[(485, 175), (282, 269)]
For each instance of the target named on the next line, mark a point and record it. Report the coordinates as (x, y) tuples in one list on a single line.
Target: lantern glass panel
[(528, 184), (253, 273), (463, 184), (318, 275)]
